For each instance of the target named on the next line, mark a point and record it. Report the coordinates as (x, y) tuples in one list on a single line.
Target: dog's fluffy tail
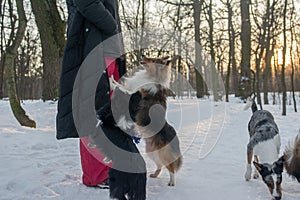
[(292, 158), (251, 103), (293, 148), (296, 151)]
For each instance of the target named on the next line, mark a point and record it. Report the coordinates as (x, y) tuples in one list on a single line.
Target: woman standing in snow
[(90, 22)]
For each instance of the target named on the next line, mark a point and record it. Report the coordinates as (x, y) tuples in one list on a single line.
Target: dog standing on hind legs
[(151, 85), (264, 145), (162, 143)]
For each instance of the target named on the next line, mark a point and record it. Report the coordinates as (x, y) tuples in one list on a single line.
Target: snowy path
[(35, 166)]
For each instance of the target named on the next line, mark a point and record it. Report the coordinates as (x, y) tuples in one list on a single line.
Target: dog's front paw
[(255, 176), (153, 175), (157, 173), (248, 173)]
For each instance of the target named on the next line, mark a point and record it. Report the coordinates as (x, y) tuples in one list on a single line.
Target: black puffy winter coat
[(94, 21)]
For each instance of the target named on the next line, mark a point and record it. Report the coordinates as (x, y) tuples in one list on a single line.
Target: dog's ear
[(278, 165), (249, 103), (165, 58), (258, 166), (168, 62)]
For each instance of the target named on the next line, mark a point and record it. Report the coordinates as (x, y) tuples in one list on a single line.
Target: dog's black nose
[(277, 198)]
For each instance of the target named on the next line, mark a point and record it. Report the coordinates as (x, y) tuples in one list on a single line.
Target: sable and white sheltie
[(291, 158), (151, 84), (264, 144)]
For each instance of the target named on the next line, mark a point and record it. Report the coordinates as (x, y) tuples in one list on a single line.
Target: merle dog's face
[(272, 176)]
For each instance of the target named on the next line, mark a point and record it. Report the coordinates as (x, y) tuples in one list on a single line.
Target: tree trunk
[(267, 72), (227, 81), (257, 79), (246, 79), (2, 64), (235, 75), (283, 60), (264, 44), (1, 50), (10, 57), (52, 30), (270, 46), (200, 84), (232, 61), (214, 74), (292, 61)]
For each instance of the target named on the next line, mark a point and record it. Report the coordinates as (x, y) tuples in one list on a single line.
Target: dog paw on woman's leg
[(156, 173), (248, 172)]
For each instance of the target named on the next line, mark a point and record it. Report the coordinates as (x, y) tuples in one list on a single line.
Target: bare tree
[(246, 79), (292, 29), (196, 9), (213, 71), (284, 58), (134, 17), (200, 84), (232, 64), (211, 47), (269, 48), (2, 8), (10, 57), (262, 42), (28, 67), (52, 31)]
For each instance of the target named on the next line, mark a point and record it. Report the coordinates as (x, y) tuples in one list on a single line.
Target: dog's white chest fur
[(268, 151)]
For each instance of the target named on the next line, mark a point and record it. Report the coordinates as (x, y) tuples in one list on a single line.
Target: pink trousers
[(94, 171)]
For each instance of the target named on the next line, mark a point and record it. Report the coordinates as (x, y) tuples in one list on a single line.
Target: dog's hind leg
[(156, 158), (171, 169), (249, 168), (256, 174)]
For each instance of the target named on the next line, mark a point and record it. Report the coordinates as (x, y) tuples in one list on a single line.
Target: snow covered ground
[(213, 136)]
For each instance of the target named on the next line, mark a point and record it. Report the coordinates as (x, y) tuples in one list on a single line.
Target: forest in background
[(238, 46)]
